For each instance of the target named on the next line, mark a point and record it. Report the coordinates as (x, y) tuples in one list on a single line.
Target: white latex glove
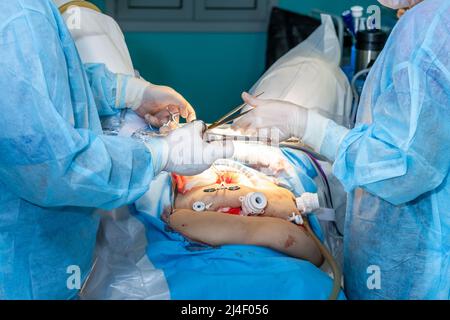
[(399, 4), (187, 153), (287, 118), (156, 103), (266, 159)]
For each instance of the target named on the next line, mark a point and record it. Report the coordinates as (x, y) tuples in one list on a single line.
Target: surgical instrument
[(173, 118), (230, 116)]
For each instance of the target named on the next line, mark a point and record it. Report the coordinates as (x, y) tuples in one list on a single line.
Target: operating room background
[(212, 69)]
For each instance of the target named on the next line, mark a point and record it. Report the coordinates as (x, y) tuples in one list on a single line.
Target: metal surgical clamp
[(230, 116), (173, 118)]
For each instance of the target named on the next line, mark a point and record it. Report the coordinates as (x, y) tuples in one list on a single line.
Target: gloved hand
[(188, 154), (289, 119), (157, 104), (265, 159)]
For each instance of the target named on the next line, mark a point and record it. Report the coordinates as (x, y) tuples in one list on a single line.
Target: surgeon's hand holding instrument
[(172, 120), (289, 120), (231, 116), (221, 129), (155, 103), (185, 152)]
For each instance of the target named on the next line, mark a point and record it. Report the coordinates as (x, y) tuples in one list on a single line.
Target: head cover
[(398, 4), (60, 3)]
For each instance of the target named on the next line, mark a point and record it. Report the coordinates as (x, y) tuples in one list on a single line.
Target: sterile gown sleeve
[(52, 151), (403, 152), (107, 88)]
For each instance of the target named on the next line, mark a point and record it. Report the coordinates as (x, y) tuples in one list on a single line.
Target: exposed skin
[(270, 229), (401, 12), (158, 101), (216, 229), (280, 201)]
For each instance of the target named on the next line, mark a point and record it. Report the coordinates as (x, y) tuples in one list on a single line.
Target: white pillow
[(309, 75)]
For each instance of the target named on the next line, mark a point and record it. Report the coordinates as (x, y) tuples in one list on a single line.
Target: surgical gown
[(396, 165), (55, 164)]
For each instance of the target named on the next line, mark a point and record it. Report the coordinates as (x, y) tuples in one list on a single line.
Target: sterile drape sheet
[(172, 267)]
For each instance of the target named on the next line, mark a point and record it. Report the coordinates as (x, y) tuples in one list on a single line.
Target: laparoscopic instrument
[(220, 129), (231, 116), (173, 118)]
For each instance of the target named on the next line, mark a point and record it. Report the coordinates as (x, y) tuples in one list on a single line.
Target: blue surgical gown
[(395, 164), (55, 164)]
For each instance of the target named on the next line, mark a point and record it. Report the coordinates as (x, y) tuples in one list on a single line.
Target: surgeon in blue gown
[(55, 164), (395, 163)]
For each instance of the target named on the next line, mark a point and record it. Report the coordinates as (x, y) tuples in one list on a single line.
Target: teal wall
[(209, 69), (333, 6), (212, 69)]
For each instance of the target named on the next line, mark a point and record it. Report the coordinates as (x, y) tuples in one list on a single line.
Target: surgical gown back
[(55, 164), (396, 165)]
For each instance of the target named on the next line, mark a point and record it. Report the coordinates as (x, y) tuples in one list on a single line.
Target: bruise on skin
[(184, 225), (289, 242), (165, 216)]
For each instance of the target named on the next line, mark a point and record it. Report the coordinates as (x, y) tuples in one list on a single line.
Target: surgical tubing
[(317, 166), (308, 203), (323, 175), (337, 275)]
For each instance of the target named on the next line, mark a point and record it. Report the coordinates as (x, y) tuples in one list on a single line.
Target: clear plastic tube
[(337, 274)]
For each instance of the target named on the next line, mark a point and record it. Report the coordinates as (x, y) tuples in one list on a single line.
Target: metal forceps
[(230, 116), (173, 118)]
